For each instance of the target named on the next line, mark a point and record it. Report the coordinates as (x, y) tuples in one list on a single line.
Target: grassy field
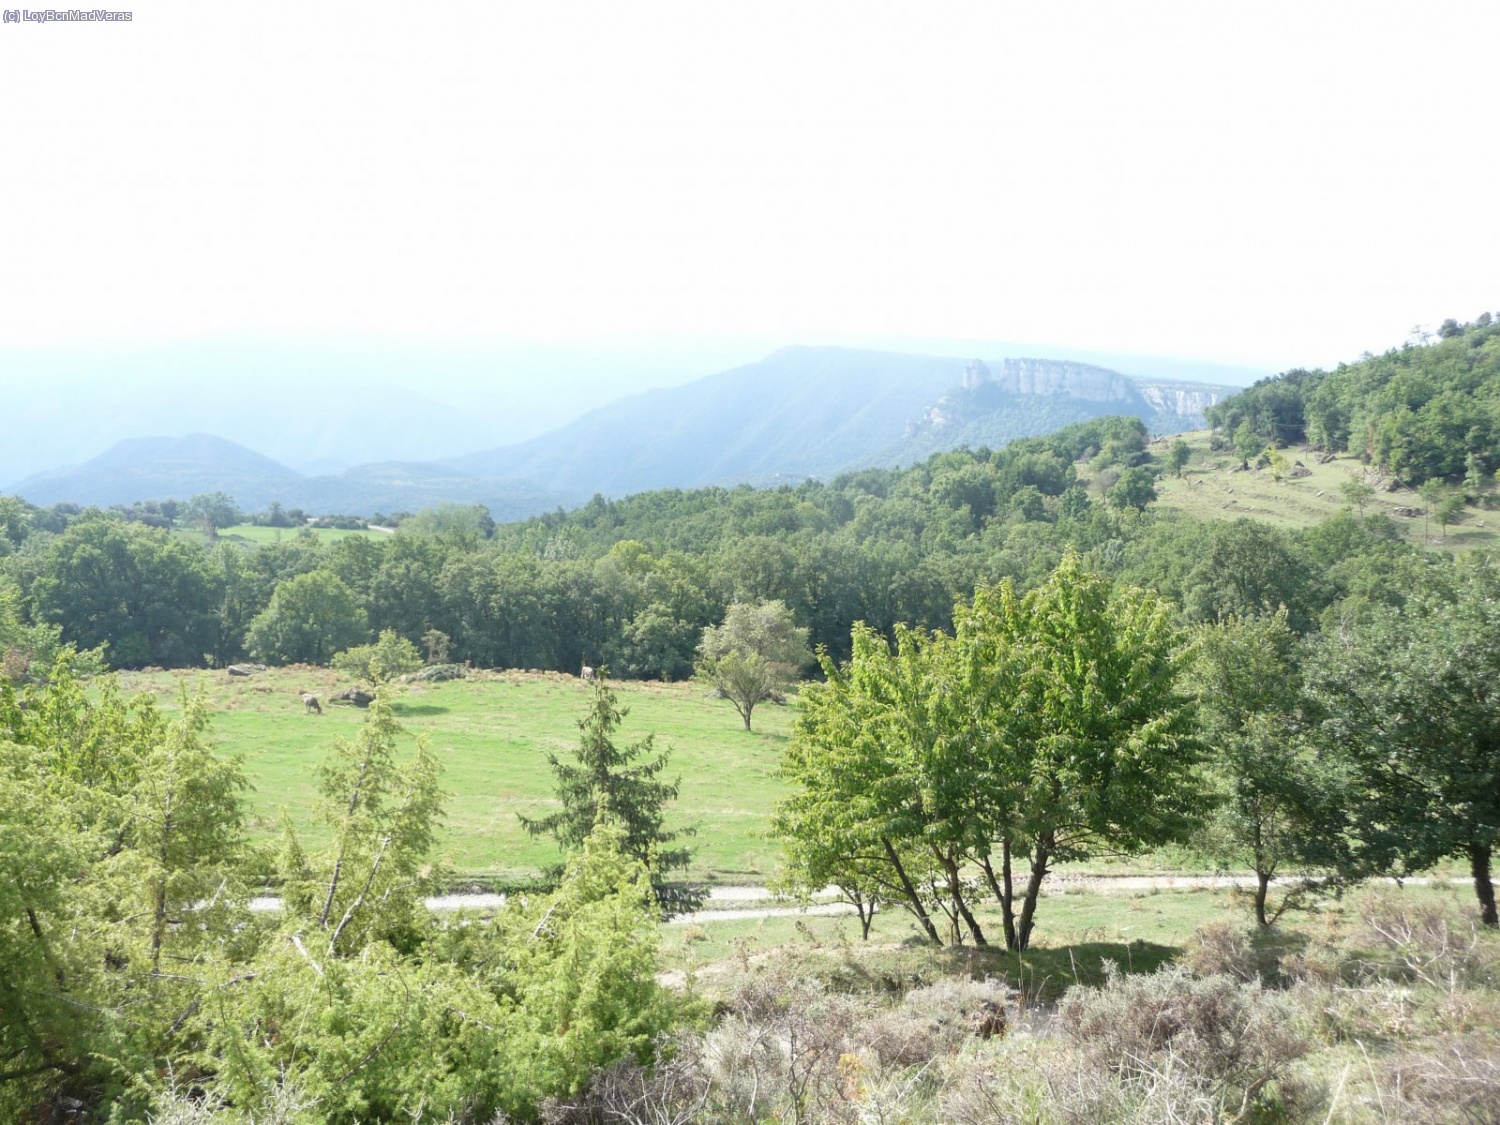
[(493, 734), (256, 536), (1209, 490), (1075, 932)]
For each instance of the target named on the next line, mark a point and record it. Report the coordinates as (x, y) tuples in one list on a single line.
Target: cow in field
[(588, 673), (310, 703)]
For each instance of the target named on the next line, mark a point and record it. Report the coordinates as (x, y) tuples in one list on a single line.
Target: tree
[(211, 511), (604, 779), (1180, 455), (380, 815), (1248, 444), (1478, 480), (120, 857), (1135, 489), (311, 617), (887, 792), (1450, 509), (1250, 570), (1431, 492), (1410, 705), (151, 598), (471, 521), (1281, 805), (1083, 739), (392, 655), (753, 656), (1046, 728), (1356, 493), (437, 644)]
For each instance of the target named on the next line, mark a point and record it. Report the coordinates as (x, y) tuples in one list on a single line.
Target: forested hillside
[(631, 583), (1417, 413)]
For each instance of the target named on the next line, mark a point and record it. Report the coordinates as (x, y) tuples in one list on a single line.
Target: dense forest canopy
[(1419, 412)]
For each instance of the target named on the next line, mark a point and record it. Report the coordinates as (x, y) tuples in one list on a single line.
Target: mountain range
[(800, 412)]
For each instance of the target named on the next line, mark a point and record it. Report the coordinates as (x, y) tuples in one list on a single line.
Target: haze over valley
[(799, 413)]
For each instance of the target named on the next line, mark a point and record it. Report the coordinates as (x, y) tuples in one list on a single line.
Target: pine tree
[(626, 782)]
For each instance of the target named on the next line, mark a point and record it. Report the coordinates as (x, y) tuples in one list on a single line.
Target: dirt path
[(737, 901)]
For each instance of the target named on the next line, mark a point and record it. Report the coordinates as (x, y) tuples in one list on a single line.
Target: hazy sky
[(1269, 183)]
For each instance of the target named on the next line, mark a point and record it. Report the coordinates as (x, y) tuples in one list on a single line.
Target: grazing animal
[(588, 673), (310, 702)]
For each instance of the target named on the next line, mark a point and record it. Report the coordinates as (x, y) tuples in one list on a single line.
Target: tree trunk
[(1004, 892), (1479, 863), (1033, 889), (911, 893), (1262, 887), (955, 892)]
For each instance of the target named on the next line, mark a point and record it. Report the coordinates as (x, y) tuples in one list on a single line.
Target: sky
[(1270, 184)]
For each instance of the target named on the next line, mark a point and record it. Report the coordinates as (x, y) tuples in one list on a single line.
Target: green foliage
[(1281, 805), (1091, 742), (1418, 412), (1449, 510), (1249, 570), (458, 520), (1181, 453), (145, 595), (1048, 727), (575, 974), (120, 862), (1248, 444), (753, 656), (310, 617), (27, 650), (1357, 493), (482, 1017), (211, 511), (390, 656), (380, 815), (1409, 704), (1135, 489), (606, 782)]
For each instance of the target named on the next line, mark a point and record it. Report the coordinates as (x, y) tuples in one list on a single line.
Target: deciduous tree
[(753, 656), (1411, 705), (1281, 806), (311, 617)]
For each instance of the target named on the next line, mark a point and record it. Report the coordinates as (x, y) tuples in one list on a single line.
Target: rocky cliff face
[(1187, 401), (1061, 377)]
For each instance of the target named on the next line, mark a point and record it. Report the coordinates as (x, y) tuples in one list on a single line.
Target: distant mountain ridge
[(160, 468), (814, 412), (800, 412)]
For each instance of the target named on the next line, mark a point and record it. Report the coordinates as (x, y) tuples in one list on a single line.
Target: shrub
[(1458, 1084), (1427, 942), (1221, 949), (1229, 1038), (935, 1018)]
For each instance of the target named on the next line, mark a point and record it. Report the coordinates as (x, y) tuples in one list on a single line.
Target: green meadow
[(493, 734), (256, 535)]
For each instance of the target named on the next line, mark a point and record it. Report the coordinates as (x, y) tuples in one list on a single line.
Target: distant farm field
[(492, 734), (256, 535)]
